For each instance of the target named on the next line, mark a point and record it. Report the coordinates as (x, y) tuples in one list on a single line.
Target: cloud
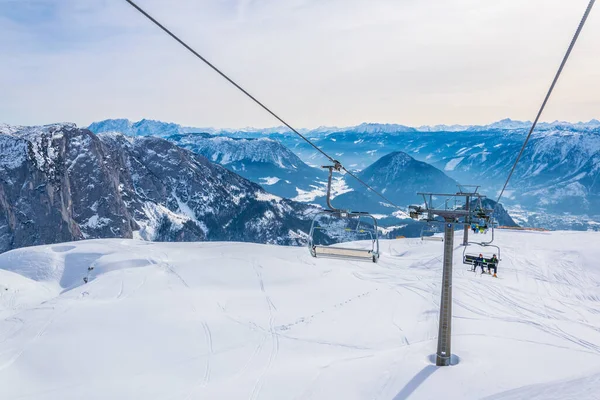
[(316, 62)]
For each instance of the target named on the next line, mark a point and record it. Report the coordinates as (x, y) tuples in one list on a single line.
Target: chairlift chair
[(469, 258), (352, 223), (431, 238)]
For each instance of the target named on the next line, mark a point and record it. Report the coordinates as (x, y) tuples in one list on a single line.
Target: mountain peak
[(394, 161), (400, 177)]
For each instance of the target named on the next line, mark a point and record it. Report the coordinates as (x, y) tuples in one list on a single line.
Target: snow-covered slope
[(231, 321)]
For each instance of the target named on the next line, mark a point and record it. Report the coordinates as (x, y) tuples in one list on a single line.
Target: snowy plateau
[(226, 320)]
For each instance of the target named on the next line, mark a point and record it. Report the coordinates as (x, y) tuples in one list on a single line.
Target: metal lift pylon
[(451, 217)]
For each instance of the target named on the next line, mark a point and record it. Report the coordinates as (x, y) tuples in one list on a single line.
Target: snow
[(338, 187), (226, 150), (221, 320), (388, 229), (154, 214), (462, 151), (539, 169), (19, 293), (452, 164), (95, 222), (400, 214), (13, 151), (306, 196), (264, 196), (269, 180), (553, 194), (379, 216)]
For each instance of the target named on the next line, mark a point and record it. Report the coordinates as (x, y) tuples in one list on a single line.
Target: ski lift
[(428, 234), (343, 226), (469, 258)]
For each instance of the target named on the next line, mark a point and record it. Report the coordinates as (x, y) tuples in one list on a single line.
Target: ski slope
[(247, 321)]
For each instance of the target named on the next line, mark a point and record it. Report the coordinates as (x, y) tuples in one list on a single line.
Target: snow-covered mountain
[(246, 321), (557, 173), (263, 161), (556, 176), (61, 183), (399, 177), (149, 127), (144, 127)]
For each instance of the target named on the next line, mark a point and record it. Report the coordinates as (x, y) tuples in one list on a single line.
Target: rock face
[(57, 184), (61, 183)]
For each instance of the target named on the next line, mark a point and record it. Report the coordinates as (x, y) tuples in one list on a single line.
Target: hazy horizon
[(200, 126), (314, 62)]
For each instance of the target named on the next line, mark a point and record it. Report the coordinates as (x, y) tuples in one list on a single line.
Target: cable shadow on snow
[(415, 382)]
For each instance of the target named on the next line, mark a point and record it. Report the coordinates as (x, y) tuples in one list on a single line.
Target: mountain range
[(555, 179), (268, 162), (60, 183), (158, 181), (555, 185)]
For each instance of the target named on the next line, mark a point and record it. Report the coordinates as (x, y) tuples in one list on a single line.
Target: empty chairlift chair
[(343, 233), (428, 234)]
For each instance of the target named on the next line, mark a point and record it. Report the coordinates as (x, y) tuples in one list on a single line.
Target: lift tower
[(449, 215), (470, 191)]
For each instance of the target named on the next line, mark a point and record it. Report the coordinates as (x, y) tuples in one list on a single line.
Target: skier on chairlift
[(478, 263), (493, 264)]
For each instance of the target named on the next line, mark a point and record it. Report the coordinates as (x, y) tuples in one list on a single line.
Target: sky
[(314, 62)]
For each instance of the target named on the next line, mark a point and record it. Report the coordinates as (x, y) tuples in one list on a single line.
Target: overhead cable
[(539, 114), (171, 34)]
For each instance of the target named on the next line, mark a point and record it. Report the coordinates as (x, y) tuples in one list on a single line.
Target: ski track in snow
[(274, 336), (205, 327), (268, 322)]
